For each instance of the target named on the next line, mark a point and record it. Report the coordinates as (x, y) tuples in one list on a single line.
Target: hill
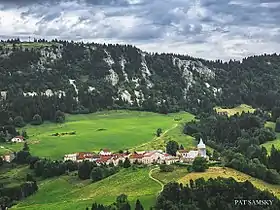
[(41, 77), (180, 175), (115, 130), (66, 192)]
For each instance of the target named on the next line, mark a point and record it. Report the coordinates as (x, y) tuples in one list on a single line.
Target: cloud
[(211, 29)]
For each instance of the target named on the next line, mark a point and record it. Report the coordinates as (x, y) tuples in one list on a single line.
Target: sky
[(209, 29)]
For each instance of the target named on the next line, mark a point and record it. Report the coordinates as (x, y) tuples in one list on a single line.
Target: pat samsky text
[(244, 202)]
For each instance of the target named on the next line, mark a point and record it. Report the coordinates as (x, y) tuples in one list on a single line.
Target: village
[(106, 157)]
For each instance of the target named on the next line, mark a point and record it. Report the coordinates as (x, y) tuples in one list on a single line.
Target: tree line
[(238, 138)]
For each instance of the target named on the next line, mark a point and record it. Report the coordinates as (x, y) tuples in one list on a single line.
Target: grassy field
[(235, 110), (13, 175), (67, 192), (276, 142), (214, 172), (112, 129), (180, 175), (174, 133)]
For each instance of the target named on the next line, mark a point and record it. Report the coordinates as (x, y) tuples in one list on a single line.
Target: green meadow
[(115, 130), (239, 109), (276, 142), (68, 192)]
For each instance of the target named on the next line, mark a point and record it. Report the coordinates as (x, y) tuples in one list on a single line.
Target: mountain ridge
[(81, 77)]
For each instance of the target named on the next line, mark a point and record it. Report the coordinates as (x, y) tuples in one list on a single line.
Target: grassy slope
[(66, 192), (124, 130), (235, 110), (181, 175), (214, 172), (276, 142)]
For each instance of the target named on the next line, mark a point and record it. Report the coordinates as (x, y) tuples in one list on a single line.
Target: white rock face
[(109, 59), (113, 77), (50, 93), (3, 95), (145, 71), (125, 95), (187, 66), (139, 96), (72, 82), (184, 66), (90, 89), (30, 94), (122, 63), (136, 80)]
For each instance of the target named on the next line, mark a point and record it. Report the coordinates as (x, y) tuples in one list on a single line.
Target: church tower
[(201, 148)]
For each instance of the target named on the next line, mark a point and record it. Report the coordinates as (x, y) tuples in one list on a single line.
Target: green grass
[(182, 176), (123, 130), (275, 142), (174, 176), (13, 175), (214, 172), (236, 110), (174, 133), (66, 192)]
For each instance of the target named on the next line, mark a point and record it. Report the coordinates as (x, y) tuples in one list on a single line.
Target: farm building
[(17, 139)]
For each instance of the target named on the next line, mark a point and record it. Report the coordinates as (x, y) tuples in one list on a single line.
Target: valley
[(115, 130)]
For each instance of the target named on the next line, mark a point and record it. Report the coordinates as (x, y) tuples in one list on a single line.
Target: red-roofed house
[(105, 152), (17, 139), (136, 157)]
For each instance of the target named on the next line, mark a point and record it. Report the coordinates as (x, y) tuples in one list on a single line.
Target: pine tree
[(138, 205), (126, 163), (25, 147)]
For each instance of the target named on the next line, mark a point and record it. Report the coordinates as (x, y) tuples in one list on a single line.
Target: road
[(156, 180)]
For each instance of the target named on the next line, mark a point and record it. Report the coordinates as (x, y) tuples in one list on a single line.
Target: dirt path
[(155, 138), (156, 180)]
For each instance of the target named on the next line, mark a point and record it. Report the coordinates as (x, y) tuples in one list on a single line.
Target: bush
[(36, 120), (19, 122), (199, 164)]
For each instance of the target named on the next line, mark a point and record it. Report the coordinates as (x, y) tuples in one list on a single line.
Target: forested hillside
[(43, 77)]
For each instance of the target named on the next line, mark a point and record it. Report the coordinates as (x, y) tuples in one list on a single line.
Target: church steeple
[(201, 145)]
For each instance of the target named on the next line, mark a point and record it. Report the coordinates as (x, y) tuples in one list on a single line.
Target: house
[(17, 139), (81, 156), (153, 157), (105, 159), (105, 152), (72, 157), (136, 156), (182, 153), (116, 158), (169, 159), (189, 156), (9, 157)]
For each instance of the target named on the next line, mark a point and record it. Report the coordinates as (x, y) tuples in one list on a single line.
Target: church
[(190, 155)]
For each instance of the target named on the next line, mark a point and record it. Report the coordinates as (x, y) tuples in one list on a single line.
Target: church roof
[(201, 145)]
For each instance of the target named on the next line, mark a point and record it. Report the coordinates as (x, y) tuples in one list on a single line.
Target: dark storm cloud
[(216, 26)]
